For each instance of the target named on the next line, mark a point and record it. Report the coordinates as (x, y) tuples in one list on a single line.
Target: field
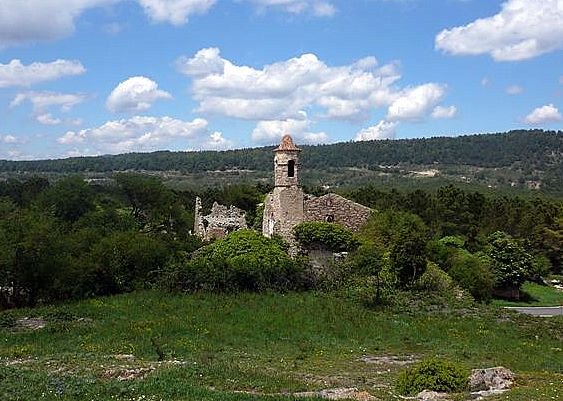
[(158, 346), (535, 295)]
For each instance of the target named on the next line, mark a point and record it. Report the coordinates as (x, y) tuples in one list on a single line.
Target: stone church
[(287, 205)]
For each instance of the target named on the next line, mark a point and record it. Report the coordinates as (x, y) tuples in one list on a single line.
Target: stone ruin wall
[(221, 221), (334, 208)]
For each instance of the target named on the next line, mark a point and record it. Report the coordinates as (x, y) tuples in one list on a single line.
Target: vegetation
[(533, 294), (329, 236), (243, 261), (245, 346), (512, 159), (435, 375)]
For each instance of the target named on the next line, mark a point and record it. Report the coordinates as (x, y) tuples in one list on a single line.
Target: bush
[(330, 236), (433, 374), (435, 279), (472, 273), (244, 260)]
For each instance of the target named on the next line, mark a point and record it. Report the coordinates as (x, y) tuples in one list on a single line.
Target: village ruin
[(286, 206)]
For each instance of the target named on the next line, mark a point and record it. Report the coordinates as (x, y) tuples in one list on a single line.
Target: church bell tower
[(283, 208), (286, 163)]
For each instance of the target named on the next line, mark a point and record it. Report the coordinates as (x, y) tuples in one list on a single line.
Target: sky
[(93, 77)]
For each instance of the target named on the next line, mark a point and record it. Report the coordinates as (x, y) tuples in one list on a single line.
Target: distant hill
[(516, 157)]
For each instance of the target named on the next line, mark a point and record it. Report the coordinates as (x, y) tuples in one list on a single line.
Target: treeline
[(70, 239), (527, 150)]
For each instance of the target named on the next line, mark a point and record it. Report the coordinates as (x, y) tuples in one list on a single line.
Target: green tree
[(408, 255), (71, 198), (511, 264)]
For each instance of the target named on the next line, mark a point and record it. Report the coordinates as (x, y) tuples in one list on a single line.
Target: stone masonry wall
[(283, 209), (334, 208), (221, 221)]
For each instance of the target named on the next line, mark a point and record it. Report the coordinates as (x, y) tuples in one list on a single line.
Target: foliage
[(368, 261), (71, 198), (408, 254), (331, 236), (384, 228), (435, 280), (433, 374), (244, 260), (472, 273), (510, 263), (130, 259)]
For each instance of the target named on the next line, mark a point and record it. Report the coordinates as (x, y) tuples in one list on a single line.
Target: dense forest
[(532, 150)]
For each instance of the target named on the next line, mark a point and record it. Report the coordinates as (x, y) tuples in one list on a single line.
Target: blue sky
[(89, 77)]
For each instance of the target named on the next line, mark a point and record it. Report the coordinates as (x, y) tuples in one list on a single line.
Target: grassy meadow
[(535, 295), (159, 346)]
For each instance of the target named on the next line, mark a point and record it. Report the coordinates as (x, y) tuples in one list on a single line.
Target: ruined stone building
[(287, 205), (221, 221)]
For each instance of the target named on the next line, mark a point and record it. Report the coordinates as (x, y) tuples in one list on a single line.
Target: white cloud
[(9, 139), (382, 130), (318, 8), (542, 115), (43, 101), (175, 12), (444, 112), (270, 132), (37, 20), (514, 90), (285, 89), (135, 94), (415, 103), (48, 119), (485, 81), (16, 74), (523, 29), (140, 133), (217, 141)]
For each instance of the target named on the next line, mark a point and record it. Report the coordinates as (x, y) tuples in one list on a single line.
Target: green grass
[(535, 295), (245, 346)]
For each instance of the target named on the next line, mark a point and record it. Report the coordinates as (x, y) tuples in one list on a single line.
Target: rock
[(389, 359), (427, 395), (31, 323), (338, 394), (490, 379)]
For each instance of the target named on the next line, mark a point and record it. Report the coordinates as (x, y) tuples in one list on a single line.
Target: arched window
[(291, 168)]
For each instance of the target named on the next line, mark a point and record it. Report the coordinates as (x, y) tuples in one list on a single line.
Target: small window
[(291, 168)]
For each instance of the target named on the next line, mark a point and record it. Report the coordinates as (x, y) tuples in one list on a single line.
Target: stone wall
[(221, 221), (283, 210), (334, 208)]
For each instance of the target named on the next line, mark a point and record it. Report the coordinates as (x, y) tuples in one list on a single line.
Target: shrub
[(435, 279), (472, 273), (329, 236), (244, 260), (433, 374)]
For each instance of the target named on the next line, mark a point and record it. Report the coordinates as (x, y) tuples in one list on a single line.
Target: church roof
[(286, 144)]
